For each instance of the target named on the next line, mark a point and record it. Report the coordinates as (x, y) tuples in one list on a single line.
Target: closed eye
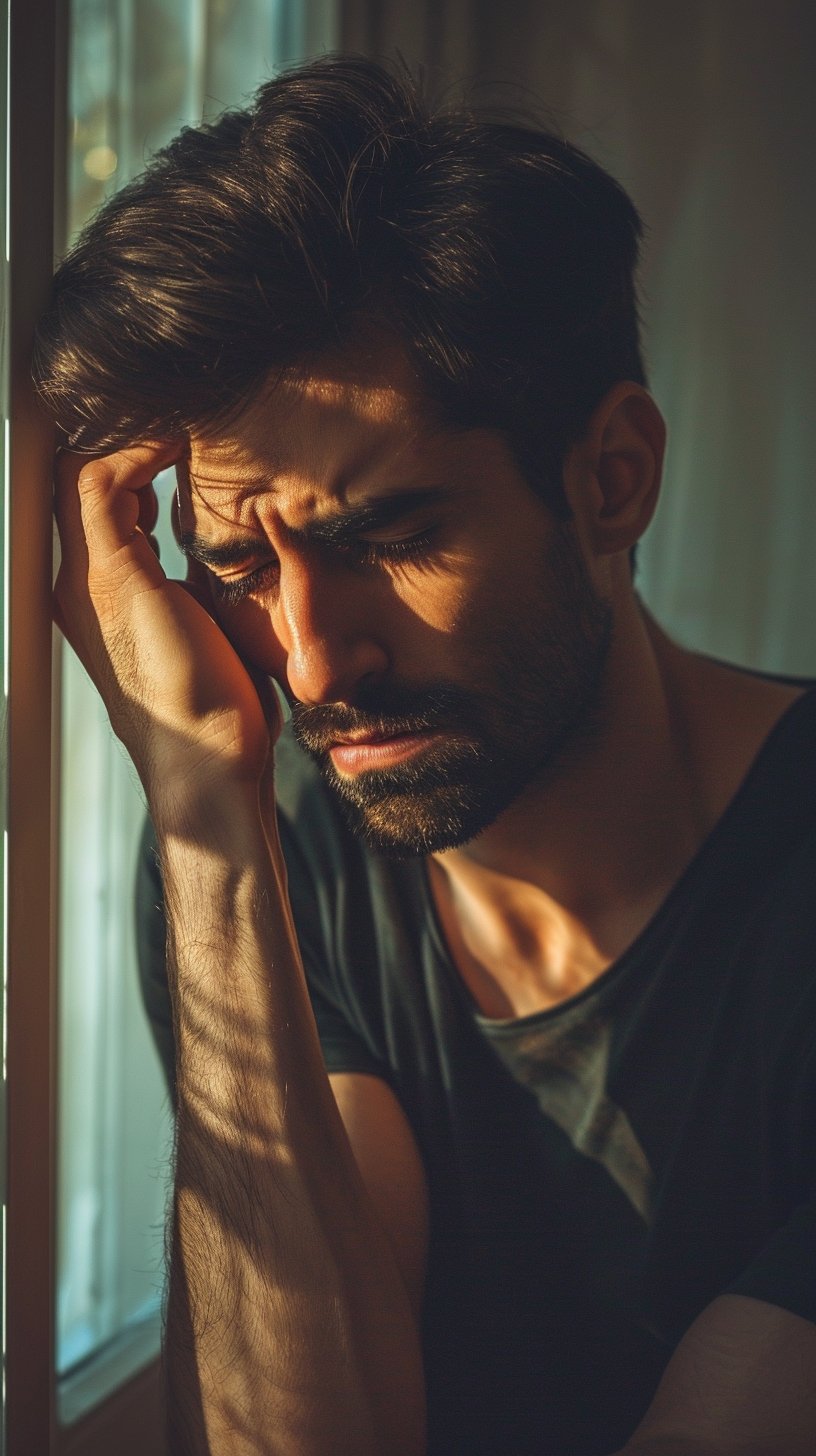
[(376, 553), (232, 590)]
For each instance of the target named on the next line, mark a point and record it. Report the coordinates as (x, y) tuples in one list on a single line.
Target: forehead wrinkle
[(310, 489), (241, 480), (287, 462), (330, 528), (263, 431)]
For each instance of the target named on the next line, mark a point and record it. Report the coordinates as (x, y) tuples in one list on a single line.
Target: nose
[(325, 622)]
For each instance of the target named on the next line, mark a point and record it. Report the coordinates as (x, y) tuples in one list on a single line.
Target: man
[(535, 1152)]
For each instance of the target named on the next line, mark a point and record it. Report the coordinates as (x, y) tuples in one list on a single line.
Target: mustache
[(385, 710)]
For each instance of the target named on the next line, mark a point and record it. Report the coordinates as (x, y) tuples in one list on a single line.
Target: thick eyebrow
[(335, 530)]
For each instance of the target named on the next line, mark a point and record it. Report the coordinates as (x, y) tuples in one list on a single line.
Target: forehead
[(319, 435)]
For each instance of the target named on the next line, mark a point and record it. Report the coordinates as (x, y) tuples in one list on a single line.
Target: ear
[(612, 475)]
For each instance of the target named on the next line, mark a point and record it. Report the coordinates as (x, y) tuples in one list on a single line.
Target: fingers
[(105, 508), (68, 514), (99, 506), (175, 689), (110, 492), (85, 490), (148, 508), (148, 516)]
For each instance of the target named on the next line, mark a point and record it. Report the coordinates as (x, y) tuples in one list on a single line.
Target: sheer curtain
[(139, 70)]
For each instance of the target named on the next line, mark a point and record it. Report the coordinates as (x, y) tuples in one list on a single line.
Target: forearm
[(289, 1329)]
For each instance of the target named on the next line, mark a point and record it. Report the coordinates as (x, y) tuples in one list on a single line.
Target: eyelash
[(363, 554), (235, 591)]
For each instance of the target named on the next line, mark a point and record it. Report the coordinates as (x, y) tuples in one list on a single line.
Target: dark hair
[(501, 256)]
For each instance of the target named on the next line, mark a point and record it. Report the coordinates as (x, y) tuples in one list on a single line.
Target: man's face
[(431, 621)]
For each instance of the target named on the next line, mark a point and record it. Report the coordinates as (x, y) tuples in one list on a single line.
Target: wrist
[(219, 812)]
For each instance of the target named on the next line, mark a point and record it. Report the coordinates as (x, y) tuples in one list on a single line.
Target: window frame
[(130, 1420), (31, 113)]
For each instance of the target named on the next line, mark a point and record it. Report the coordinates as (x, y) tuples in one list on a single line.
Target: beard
[(537, 693)]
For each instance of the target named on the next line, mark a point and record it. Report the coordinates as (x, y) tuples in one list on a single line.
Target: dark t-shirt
[(598, 1173)]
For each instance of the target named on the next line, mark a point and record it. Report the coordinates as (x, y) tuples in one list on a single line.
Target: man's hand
[(289, 1324), (176, 691)]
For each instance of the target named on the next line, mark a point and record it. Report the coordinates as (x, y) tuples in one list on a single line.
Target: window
[(137, 71)]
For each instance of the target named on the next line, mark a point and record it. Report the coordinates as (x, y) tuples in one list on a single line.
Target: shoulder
[(759, 729), (739, 724)]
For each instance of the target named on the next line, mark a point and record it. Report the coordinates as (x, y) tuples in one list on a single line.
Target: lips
[(357, 754)]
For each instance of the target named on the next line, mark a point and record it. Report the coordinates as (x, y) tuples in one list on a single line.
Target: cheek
[(249, 629), (453, 622), (446, 599), (482, 610), (436, 623)]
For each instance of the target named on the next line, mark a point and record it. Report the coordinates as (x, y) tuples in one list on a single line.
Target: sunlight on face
[(430, 619), (356, 438), (306, 439)]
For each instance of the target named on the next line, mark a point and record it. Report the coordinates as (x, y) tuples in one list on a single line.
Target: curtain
[(706, 112)]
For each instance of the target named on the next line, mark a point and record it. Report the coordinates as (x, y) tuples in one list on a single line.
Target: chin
[(411, 825)]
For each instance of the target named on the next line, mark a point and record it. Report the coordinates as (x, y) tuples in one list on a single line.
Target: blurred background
[(706, 111)]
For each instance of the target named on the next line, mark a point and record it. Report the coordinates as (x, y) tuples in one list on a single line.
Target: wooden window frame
[(130, 1420), (31, 115)]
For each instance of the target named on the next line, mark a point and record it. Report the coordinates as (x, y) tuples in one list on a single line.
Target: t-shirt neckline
[(657, 922)]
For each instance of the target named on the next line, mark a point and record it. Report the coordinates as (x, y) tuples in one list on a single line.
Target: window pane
[(139, 70)]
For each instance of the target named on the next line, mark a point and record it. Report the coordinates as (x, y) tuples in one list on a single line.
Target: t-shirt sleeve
[(343, 1043), (344, 1047), (343, 1050), (784, 1271)]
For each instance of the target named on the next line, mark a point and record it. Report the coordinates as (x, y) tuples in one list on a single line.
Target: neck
[(551, 894)]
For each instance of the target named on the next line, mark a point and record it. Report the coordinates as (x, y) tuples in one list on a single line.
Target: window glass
[(139, 70)]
